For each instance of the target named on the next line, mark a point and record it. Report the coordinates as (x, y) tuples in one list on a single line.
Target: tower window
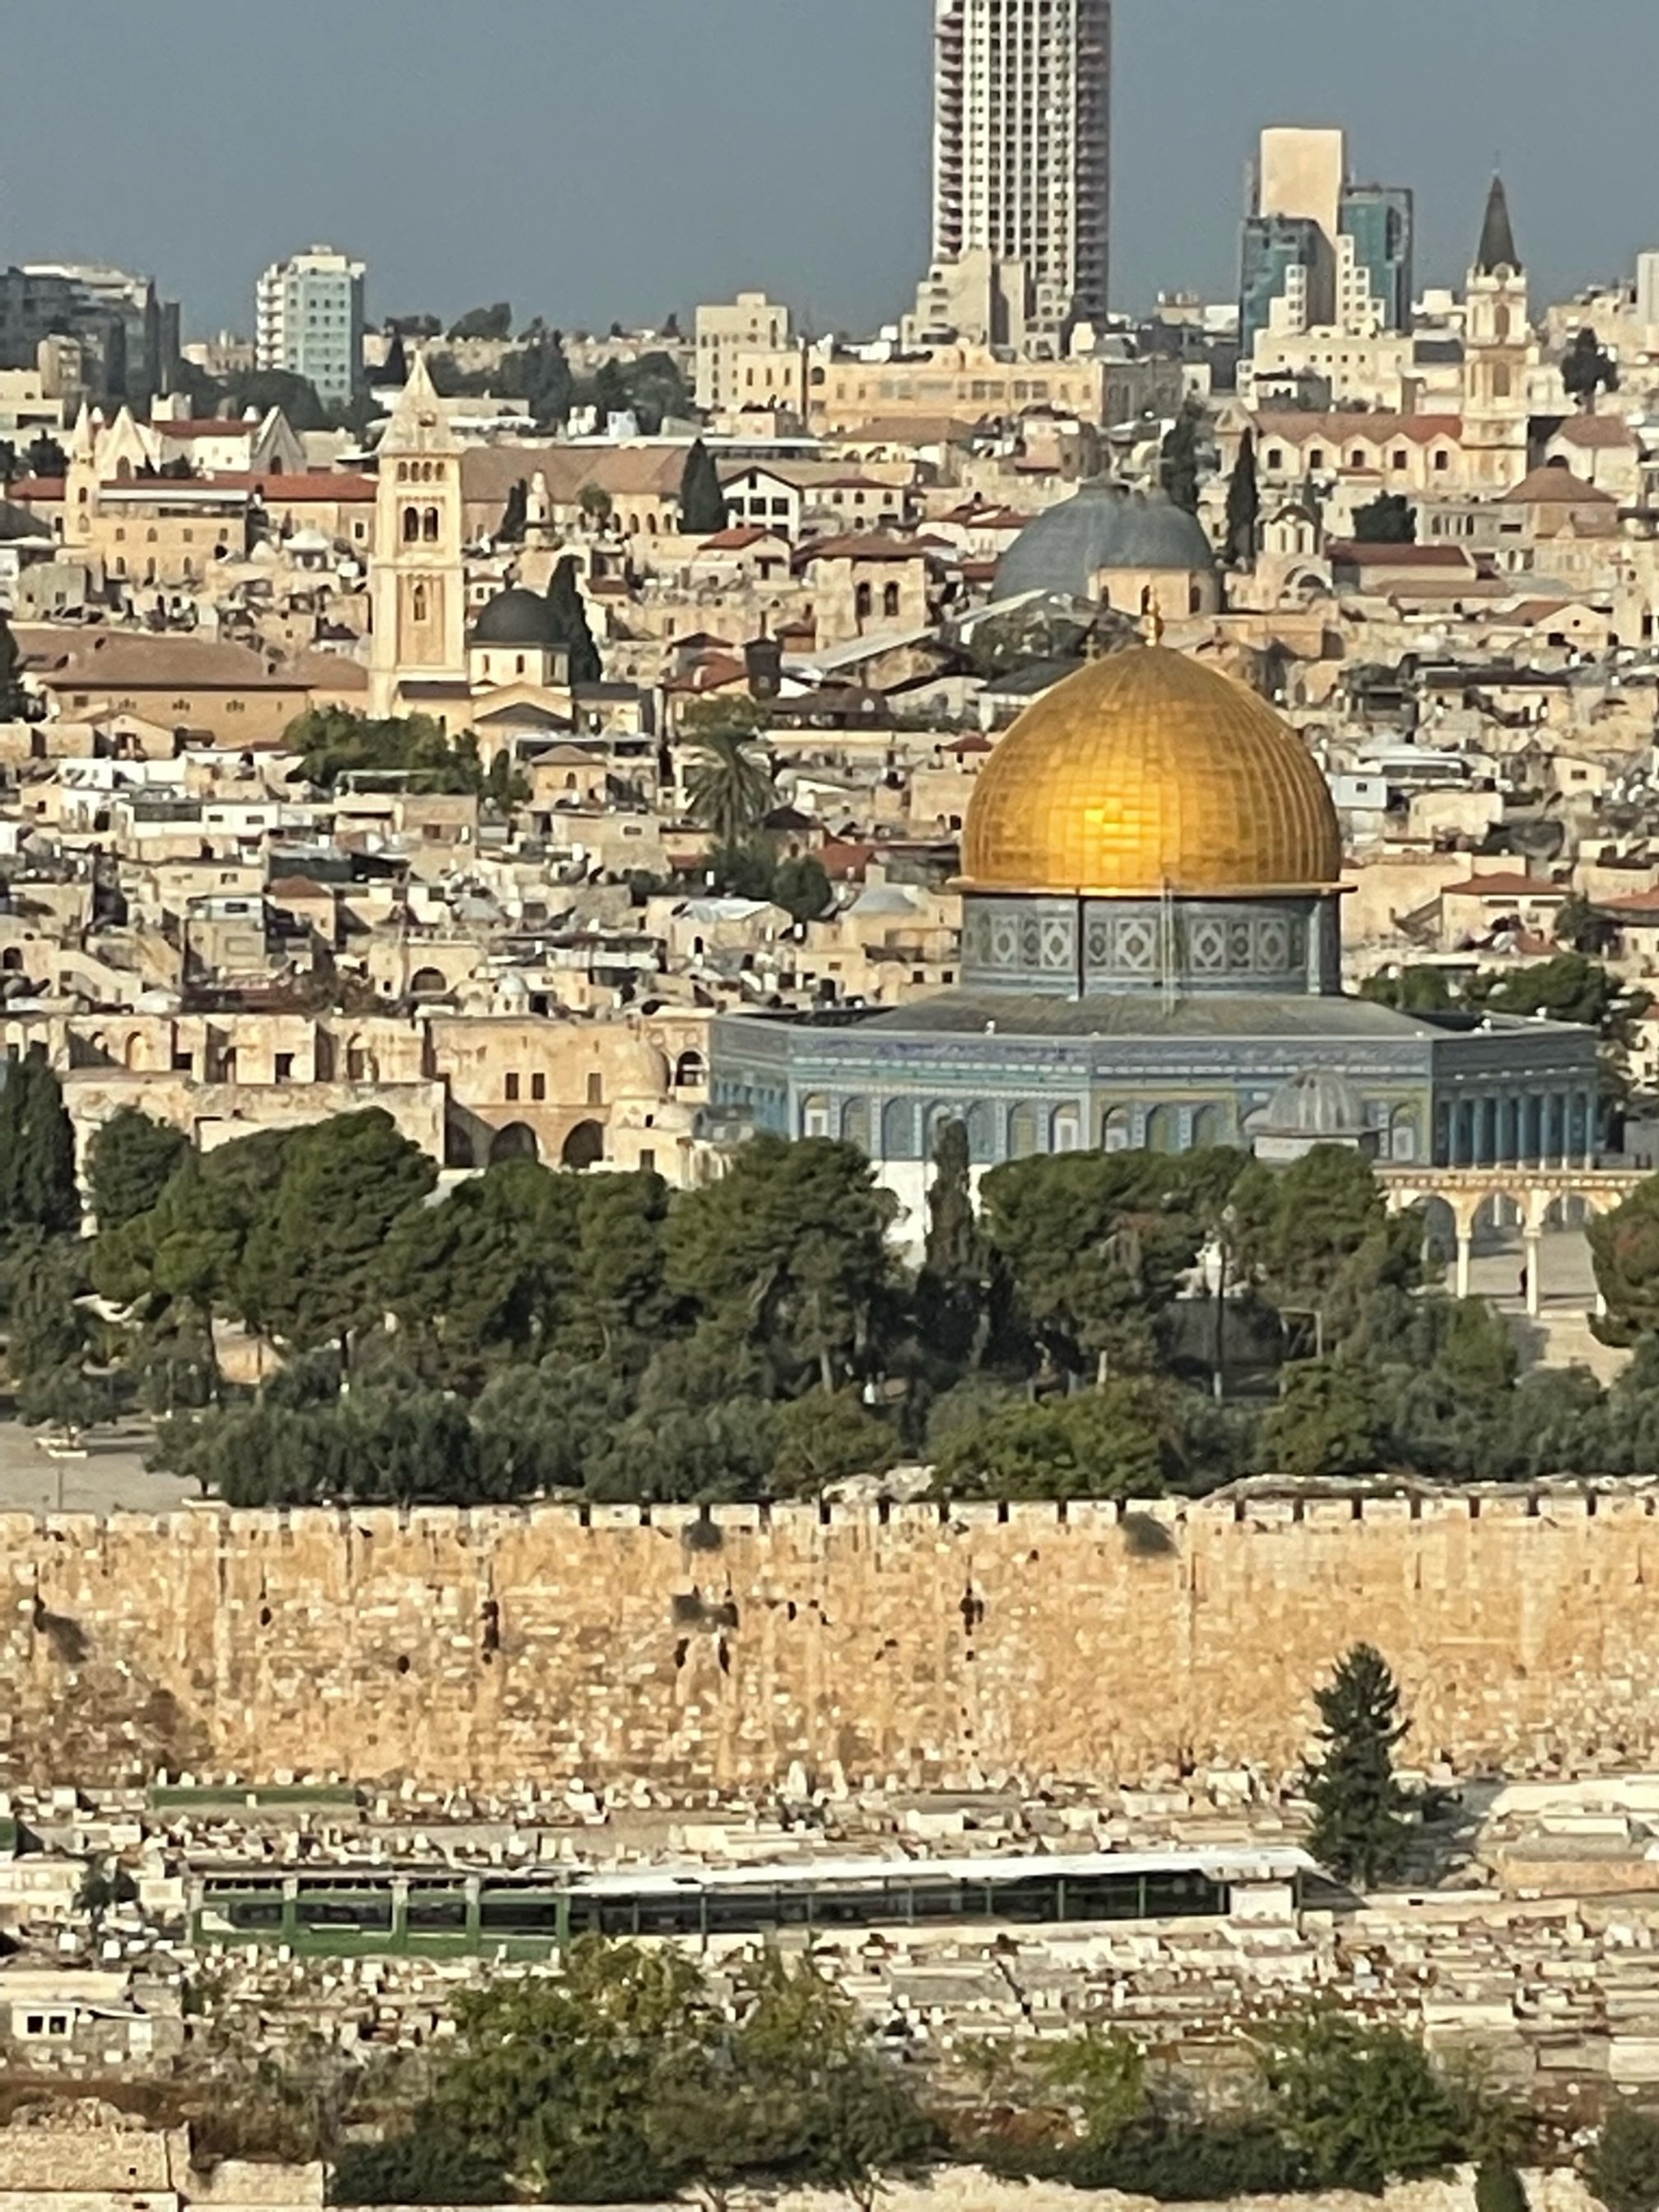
[(431, 530), (411, 525)]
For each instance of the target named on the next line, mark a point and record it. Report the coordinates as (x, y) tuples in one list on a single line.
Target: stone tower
[(1497, 354), (417, 578), (81, 491)]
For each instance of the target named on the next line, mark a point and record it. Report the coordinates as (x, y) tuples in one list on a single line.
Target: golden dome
[(1148, 771)]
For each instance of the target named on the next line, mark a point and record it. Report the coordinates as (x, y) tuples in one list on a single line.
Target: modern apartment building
[(1023, 145), (128, 334), (309, 321), (1318, 252)]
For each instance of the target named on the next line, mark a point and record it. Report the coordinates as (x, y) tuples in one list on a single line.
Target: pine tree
[(1244, 505), (37, 1151), (569, 619), (702, 503), (1360, 1825)]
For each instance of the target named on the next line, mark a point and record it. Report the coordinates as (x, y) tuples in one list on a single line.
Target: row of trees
[(629, 2080), (539, 1330)]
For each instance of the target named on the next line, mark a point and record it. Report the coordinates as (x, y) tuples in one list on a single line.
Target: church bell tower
[(1497, 353), (418, 576)]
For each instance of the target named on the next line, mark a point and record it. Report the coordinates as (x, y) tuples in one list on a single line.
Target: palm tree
[(730, 787)]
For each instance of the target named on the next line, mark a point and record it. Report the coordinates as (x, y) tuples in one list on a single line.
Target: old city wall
[(922, 1646)]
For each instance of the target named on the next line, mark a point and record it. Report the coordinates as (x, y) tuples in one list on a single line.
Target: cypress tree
[(1244, 504), (37, 1151), (1360, 1826), (569, 618), (11, 675), (702, 503), (1178, 460), (515, 515)]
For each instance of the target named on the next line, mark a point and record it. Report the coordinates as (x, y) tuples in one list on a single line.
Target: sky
[(601, 160)]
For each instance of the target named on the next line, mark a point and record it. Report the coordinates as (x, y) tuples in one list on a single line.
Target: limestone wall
[(922, 1646)]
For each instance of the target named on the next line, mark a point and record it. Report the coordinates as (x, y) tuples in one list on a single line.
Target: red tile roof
[(1297, 427), (1555, 483), (207, 426), (1502, 884), (44, 489), (1605, 432), (1351, 553)]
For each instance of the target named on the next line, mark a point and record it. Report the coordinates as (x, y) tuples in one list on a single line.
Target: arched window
[(1501, 381), (1209, 1125), (1196, 598), (855, 1123), (1116, 1131), (1065, 1130), (1163, 1130), (981, 1120), (1500, 323), (1402, 1134), (430, 527), (815, 1114), (411, 525), (890, 602), (898, 1130), (1024, 1132), (403, 472), (417, 603), (691, 1069), (863, 602), (150, 536)]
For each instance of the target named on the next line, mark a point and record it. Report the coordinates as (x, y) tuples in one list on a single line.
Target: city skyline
[(840, 130)]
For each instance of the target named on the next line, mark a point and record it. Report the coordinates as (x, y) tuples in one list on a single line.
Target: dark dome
[(1102, 526), (517, 617)]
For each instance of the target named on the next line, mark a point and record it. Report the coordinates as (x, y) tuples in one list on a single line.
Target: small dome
[(1148, 772), (1102, 526), (517, 617), (1317, 1104)]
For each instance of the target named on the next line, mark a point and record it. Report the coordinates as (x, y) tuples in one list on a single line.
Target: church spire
[(1496, 249)]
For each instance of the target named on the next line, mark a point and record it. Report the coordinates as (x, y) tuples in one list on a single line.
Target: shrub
[(1624, 2170)]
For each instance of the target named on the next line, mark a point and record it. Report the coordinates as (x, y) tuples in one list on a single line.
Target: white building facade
[(1022, 147), (309, 321)]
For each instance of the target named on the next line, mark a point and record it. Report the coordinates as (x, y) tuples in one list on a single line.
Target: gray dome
[(1102, 526), (1316, 1102), (517, 617)]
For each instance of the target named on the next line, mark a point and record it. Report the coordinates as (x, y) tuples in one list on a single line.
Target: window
[(1442, 460), (538, 1088), (890, 603), (429, 526), (1316, 457), (596, 1088), (411, 525), (512, 1092), (285, 1067), (1275, 457), (1398, 457), (647, 1162)]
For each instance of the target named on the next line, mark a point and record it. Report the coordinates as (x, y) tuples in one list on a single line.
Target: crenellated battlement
[(935, 1644)]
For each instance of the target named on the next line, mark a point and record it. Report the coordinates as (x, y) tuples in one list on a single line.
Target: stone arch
[(427, 983), (412, 525), (584, 1147), (1117, 1132), (1164, 1129), (898, 1130), (517, 1141), (817, 1114), (132, 1051), (1213, 1125), (980, 1121), (855, 1123), (1024, 1132), (1065, 1130), (689, 1070)]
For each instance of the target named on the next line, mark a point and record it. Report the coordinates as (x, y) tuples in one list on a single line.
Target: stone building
[(1151, 880)]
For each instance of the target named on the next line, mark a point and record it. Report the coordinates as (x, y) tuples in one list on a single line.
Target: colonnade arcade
[(1534, 1192), (1549, 1128)]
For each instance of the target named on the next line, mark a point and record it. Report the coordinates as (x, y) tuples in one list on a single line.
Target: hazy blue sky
[(593, 159)]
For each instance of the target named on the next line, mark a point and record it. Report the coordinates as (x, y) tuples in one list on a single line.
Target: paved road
[(111, 1477)]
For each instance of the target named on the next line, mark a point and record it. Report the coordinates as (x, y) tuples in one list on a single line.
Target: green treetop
[(702, 503), (1361, 1827), (37, 1151)]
